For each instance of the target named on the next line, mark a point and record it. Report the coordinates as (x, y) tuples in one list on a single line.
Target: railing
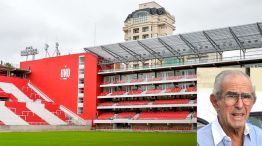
[(151, 91), (37, 123), (160, 102), (75, 118), (255, 55), (163, 115), (125, 115), (150, 80)]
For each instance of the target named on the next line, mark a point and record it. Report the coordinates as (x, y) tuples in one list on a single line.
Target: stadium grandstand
[(151, 84), (146, 84)]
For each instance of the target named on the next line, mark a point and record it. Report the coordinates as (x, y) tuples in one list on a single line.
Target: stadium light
[(57, 52), (28, 52), (46, 50)]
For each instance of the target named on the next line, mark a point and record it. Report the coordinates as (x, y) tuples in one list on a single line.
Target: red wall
[(92, 86), (45, 75)]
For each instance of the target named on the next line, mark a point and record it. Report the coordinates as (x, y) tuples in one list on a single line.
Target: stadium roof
[(11, 69), (196, 43)]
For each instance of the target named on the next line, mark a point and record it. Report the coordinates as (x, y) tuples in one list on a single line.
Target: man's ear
[(214, 102), (255, 101)]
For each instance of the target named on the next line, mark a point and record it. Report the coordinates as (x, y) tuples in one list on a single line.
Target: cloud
[(72, 23)]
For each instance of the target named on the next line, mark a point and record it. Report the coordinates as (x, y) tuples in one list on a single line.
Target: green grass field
[(94, 138)]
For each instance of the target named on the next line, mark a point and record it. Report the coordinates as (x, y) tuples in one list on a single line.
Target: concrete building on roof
[(150, 21)]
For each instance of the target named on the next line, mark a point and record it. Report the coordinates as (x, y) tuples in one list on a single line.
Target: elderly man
[(233, 97)]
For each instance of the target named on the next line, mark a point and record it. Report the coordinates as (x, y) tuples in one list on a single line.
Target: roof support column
[(219, 51), (115, 55), (259, 29), (238, 43), (151, 51)]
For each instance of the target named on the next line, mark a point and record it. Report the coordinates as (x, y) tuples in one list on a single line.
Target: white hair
[(220, 78)]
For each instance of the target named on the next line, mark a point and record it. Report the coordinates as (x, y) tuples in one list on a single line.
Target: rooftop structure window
[(163, 27), (136, 30), (145, 29), (145, 36), (135, 37), (140, 17)]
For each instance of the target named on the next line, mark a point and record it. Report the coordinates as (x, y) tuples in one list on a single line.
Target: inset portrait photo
[(229, 106)]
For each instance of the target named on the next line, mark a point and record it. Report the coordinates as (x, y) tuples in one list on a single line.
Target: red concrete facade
[(15, 80), (46, 76)]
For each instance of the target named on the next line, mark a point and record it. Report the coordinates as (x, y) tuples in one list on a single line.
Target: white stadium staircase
[(40, 110), (11, 88), (10, 118), (12, 111)]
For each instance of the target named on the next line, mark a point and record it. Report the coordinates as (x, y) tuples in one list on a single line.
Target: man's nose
[(239, 104)]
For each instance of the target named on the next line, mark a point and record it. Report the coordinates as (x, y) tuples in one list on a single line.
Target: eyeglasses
[(232, 98)]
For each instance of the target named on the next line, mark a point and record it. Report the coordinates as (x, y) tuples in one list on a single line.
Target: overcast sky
[(72, 23)]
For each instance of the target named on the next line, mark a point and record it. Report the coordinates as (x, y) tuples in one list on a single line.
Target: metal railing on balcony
[(251, 56)]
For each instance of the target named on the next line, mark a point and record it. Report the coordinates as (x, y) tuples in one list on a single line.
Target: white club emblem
[(65, 73)]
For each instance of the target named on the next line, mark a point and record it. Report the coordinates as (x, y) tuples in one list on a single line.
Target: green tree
[(8, 64)]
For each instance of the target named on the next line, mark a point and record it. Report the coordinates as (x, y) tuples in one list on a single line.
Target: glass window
[(140, 17), (170, 85), (80, 100), (136, 30), (150, 87), (81, 81), (145, 29), (106, 79), (135, 37), (81, 60), (135, 87), (80, 110), (162, 86), (129, 77), (81, 71), (145, 64), (124, 77), (133, 76), (117, 77), (191, 72), (146, 75), (106, 89), (170, 73), (81, 90), (145, 36), (143, 87), (135, 65)]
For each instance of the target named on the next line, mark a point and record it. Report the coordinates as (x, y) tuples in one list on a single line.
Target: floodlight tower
[(29, 51), (46, 51), (57, 52)]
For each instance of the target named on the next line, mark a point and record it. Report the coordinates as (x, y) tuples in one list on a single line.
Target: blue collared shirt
[(213, 135)]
